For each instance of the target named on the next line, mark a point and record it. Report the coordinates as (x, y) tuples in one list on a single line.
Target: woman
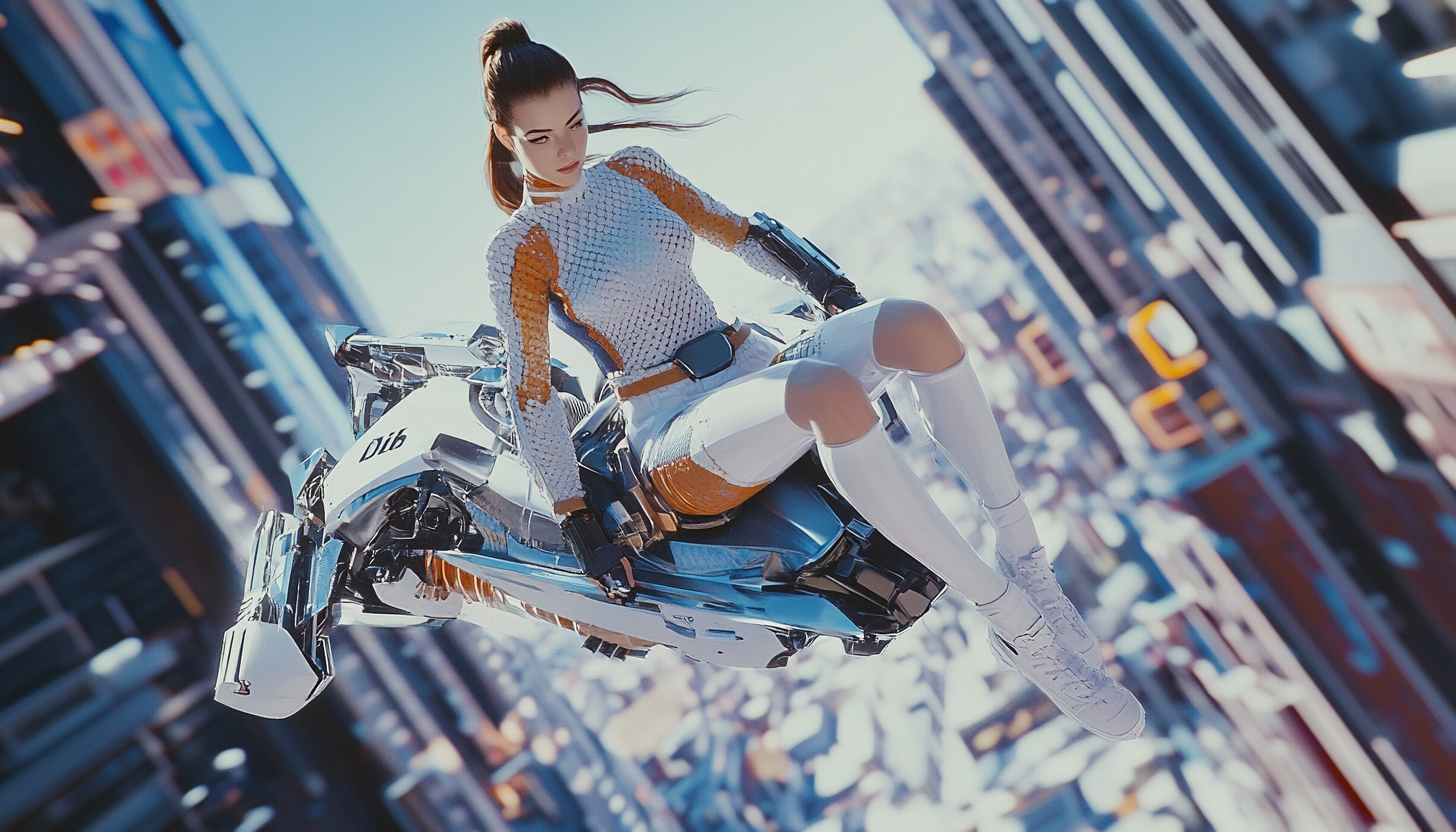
[(608, 250)]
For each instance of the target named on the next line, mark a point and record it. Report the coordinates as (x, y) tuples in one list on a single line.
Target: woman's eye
[(578, 124), (537, 140)]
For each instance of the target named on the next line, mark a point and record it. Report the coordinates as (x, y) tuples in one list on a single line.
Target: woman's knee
[(915, 336), (826, 399)]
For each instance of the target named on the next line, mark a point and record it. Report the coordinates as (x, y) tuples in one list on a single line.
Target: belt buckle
[(705, 355)]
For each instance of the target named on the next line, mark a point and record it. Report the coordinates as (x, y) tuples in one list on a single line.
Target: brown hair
[(515, 68)]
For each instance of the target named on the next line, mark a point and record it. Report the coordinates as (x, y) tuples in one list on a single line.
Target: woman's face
[(548, 135)]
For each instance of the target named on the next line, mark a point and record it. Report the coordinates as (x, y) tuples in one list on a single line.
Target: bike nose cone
[(263, 672)]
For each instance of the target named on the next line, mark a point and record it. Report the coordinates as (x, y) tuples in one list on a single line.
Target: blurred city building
[(1191, 215), (163, 288)]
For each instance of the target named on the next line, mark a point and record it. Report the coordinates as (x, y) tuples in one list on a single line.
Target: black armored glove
[(812, 269), (601, 558), (842, 297)]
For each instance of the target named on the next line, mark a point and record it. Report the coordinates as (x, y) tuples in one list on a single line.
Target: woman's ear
[(503, 136)]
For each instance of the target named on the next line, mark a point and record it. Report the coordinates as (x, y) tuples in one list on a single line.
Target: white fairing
[(263, 673), (393, 445)]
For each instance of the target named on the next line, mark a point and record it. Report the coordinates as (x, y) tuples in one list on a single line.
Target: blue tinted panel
[(197, 130)]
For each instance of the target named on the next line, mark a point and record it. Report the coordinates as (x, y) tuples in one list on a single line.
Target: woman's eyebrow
[(574, 116)]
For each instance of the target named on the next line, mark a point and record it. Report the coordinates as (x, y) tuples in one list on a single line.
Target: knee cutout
[(826, 399), (912, 335)]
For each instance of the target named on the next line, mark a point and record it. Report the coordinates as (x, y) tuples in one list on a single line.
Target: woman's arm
[(710, 219), (707, 217), (523, 268), (523, 272)]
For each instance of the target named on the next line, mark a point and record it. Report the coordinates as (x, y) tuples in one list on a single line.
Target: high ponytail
[(506, 186), (515, 68)]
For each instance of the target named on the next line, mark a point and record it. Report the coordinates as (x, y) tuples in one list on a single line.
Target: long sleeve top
[(609, 260)]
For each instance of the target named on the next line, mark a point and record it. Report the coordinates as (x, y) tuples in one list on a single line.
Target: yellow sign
[(1166, 340)]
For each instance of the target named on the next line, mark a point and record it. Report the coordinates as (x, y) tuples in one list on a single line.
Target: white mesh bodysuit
[(610, 259)]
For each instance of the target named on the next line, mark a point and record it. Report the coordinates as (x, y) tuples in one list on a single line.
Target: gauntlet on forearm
[(811, 268)]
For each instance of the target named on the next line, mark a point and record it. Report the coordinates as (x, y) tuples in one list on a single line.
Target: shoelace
[(1057, 668), (1040, 582)]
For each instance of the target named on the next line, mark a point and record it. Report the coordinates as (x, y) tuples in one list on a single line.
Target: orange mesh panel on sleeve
[(532, 276), (685, 201), (692, 489)]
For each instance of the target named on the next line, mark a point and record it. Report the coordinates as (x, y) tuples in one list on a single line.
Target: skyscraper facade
[(163, 292), (150, 375), (1192, 223)]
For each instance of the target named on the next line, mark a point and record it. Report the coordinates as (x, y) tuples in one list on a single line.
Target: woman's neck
[(537, 191)]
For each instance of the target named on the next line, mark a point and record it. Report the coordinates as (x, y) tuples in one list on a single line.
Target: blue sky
[(374, 109)]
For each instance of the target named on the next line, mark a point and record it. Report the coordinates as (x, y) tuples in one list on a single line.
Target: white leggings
[(736, 438)]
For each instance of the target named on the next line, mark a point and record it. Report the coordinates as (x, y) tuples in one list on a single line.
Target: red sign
[(114, 160)]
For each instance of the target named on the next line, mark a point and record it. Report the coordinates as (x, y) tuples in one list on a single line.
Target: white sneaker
[(1021, 638), (1022, 560)]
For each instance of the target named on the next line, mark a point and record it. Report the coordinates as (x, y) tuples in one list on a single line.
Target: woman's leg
[(739, 437), (864, 466), (743, 434), (915, 337)]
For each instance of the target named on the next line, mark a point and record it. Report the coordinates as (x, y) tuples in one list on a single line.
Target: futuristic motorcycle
[(433, 515)]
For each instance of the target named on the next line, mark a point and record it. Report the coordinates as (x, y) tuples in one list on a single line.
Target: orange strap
[(674, 373)]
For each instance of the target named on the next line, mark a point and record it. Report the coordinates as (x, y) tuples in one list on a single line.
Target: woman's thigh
[(847, 341), (734, 440), (727, 445)]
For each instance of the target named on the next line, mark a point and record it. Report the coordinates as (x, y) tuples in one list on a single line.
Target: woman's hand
[(841, 298), (603, 559)]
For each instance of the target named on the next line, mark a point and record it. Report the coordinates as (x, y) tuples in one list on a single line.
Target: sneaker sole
[(998, 649)]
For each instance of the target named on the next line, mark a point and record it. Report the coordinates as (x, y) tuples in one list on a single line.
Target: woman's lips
[(569, 168)]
